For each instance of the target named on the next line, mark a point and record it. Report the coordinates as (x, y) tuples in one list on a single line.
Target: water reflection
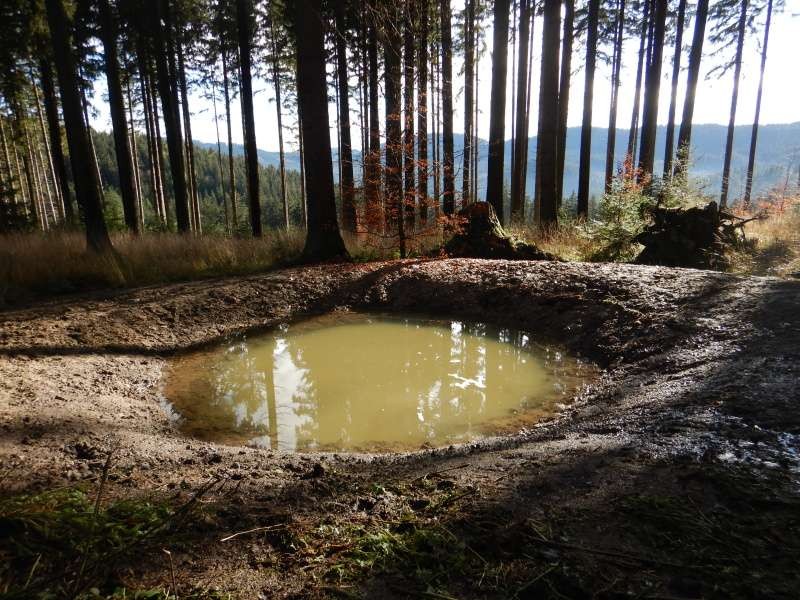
[(358, 382)]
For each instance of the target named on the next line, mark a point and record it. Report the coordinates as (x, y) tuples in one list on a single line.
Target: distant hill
[(778, 153)]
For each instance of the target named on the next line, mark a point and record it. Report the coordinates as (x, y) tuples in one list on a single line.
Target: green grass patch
[(63, 544)]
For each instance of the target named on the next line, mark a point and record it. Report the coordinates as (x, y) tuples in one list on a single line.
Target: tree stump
[(482, 236)]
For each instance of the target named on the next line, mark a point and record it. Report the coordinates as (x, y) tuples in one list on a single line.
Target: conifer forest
[(449, 299)]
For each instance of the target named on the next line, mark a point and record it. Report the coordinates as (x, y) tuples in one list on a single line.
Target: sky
[(780, 103)]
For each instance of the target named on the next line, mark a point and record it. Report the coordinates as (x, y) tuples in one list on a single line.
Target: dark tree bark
[(394, 150), (449, 187), (135, 154), (189, 143), (373, 158), (519, 165), (436, 103), (153, 145), (616, 70), (168, 91), (323, 240), (751, 160), (276, 82), (149, 138), (652, 87), (695, 57), (409, 165), (345, 147), (422, 112), (127, 183), (159, 154), (546, 150), (632, 134), (54, 130), (497, 118), (469, 98), (563, 93), (737, 70), (244, 23), (86, 182), (673, 99), (588, 98), (231, 173)]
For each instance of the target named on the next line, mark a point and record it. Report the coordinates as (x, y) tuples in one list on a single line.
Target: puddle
[(357, 382)]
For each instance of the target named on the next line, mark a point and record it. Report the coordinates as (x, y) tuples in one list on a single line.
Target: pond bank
[(699, 394)]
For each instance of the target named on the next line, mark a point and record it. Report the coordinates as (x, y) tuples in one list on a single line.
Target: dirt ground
[(675, 475)]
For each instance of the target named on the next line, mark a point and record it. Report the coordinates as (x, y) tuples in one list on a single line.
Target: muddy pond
[(372, 383)]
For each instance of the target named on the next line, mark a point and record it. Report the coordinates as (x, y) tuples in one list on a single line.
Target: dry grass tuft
[(773, 243), (569, 241), (34, 265)]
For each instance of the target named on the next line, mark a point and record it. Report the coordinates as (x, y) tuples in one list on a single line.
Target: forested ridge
[(211, 186), (775, 156)]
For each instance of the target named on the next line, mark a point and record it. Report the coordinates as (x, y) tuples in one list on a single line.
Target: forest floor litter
[(675, 475)]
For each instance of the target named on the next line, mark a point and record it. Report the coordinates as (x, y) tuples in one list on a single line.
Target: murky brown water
[(370, 383)]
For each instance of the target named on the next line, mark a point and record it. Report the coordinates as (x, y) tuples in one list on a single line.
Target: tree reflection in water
[(360, 382)]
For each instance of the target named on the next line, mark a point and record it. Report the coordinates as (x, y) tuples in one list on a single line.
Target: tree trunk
[(563, 94), (167, 90), (189, 143), (159, 148), (220, 168), (751, 160), (521, 135), (436, 102), (373, 160), (245, 34), (276, 80), (422, 112), (652, 87), (54, 130), (673, 99), (469, 99), (303, 197), (86, 183), (45, 164), (497, 119), (546, 149), (526, 147), (323, 241), (632, 134), (588, 99), (409, 166), (737, 70), (22, 193), (37, 204), (48, 154), (153, 146), (7, 161), (127, 184), (449, 187), (231, 172), (616, 71), (394, 151), (695, 57), (135, 156), (345, 146)]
